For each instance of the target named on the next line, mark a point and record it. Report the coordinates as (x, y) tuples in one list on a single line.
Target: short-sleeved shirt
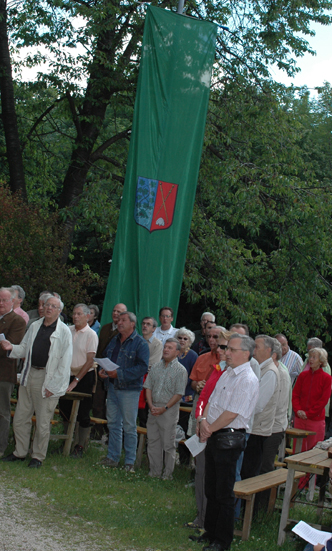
[(84, 341), (236, 391), (165, 382), (204, 366)]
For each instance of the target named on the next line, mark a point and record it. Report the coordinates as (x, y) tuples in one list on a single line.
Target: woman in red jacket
[(311, 393)]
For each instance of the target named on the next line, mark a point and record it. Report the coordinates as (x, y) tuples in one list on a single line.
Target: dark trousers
[(86, 386), (220, 471), (253, 456)]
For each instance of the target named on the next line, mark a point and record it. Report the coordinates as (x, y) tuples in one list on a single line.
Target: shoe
[(167, 477), (77, 452), (11, 457), (201, 538), (129, 468), (153, 475), (35, 463), (193, 524), (108, 462), (215, 546)]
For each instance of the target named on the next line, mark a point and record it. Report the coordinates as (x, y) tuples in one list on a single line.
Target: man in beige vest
[(265, 408)]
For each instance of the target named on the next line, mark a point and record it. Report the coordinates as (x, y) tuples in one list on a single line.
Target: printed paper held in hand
[(194, 445), (309, 534), (2, 337), (106, 364)]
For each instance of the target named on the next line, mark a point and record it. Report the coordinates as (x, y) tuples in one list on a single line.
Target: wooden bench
[(247, 489)]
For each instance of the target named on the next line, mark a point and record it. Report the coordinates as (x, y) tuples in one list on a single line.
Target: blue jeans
[(122, 408), (309, 547)]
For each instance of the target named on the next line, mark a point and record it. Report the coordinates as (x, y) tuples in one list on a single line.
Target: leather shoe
[(202, 538), (35, 463), (215, 546), (11, 457)]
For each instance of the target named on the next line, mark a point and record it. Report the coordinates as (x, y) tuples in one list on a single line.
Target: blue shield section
[(146, 193)]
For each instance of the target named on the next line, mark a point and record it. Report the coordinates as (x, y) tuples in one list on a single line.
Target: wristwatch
[(77, 379), (166, 407)]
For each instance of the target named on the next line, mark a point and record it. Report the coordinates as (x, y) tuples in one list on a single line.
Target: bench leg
[(285, 505), (272, 500), (71, 427), (248, 512), (140, 450), (323, 484)]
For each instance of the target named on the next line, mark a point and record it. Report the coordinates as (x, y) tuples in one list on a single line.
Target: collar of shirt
[(85, 328), (5, 314), (52, 324), (170, 364), (233, 371), (263, 364), (151, 338), (167, 331)]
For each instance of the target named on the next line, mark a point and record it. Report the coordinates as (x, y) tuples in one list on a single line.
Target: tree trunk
[(13, 146)]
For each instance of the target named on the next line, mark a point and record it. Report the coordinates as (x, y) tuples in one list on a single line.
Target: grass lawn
[(135, 511)]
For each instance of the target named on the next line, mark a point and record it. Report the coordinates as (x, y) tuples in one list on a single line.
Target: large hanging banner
[(163, 164)]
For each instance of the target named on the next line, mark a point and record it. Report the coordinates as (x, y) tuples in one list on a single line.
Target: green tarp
[(163, 164)]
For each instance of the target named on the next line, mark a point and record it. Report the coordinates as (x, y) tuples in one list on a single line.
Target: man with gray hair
[(200, 333), (19, 297), (130, 352), (165, 386), (265, 408), (223, 425), (82, 374), (47, 349), (290, 358), (12, 328)]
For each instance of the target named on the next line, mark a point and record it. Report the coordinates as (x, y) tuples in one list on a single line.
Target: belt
[(228, 430), (37, 367)]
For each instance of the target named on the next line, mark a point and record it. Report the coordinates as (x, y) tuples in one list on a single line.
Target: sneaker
[(77, 452), (129, 468), (167, 477), (108, 462)]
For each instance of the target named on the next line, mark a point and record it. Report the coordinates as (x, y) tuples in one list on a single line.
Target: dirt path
[(22, 528)]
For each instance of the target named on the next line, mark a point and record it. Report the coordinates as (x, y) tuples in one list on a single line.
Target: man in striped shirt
[(289, 358)]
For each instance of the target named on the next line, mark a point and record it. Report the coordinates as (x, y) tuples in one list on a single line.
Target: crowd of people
[(243, 394)]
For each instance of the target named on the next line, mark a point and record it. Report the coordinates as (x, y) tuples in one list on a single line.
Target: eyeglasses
[(53, 306), (165, 316), (2, 300), (234, 349), (222, 346), (183, 338), (146, 323), (212, 337)]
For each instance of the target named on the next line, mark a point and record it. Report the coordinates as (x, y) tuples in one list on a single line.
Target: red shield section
[(164, 207)]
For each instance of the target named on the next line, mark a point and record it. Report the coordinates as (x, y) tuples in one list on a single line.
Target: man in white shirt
[(166, 329), (82, 374), (226, 416)]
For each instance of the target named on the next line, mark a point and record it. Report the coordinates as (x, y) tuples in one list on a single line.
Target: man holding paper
[(223, 425), (131, 353)]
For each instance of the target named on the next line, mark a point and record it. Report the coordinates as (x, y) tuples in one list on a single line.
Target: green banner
[(163, 164)]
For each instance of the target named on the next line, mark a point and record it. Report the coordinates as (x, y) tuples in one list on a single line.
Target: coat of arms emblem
[(155, 204)]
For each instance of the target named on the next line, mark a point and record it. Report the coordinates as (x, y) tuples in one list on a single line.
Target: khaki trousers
[(31, 402), (161, 431)]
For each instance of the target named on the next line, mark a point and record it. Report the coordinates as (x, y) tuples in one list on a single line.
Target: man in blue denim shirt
[(131, 352)]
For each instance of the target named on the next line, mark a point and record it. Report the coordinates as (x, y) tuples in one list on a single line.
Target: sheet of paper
[(2, 337), (311, 535), (106, 364), (194, 445)]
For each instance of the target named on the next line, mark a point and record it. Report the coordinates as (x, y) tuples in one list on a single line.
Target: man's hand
[(113, 374), (200, 386), (197, 426), (204, 431), (318, 547), (48, 394), (301, 414), (6, 345), (103, 374), (72, 385), (157, 411)]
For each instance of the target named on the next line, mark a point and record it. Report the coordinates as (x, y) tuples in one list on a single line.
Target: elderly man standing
[(47, 349), (289, 358), (223, 425), (165, 386), (106, 334), (200, 333), (82, 373), (130, 352), (12, 326), (19, 297)]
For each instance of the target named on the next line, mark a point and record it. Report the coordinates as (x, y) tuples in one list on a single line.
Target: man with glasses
[(12, 327), (155, 345), (223, 426), (166, 329), (47, 349)]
